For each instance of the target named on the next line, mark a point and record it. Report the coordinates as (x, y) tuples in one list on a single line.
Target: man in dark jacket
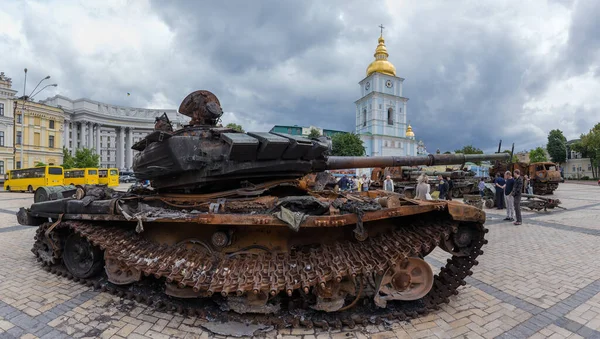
[(516, 193), (344, 183), (443, 187), (499, 185), (450, 187)]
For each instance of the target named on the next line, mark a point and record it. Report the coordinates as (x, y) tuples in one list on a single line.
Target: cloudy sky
[(475, 71)]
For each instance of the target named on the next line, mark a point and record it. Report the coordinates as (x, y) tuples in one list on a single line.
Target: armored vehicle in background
[(544, 176), (246, 222), (405, 178)]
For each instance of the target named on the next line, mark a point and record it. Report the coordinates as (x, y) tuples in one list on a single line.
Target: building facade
[(109, 130), (38, 134), (577, 166), (381, 112), (304, 131), (7, 97)]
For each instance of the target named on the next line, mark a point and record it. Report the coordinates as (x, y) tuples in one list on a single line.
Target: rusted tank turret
[(231, 221)]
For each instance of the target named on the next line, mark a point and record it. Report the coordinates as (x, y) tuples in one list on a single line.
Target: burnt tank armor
[(248, 222)]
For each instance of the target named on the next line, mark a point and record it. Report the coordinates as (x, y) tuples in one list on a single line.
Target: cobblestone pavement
[(539, 280)]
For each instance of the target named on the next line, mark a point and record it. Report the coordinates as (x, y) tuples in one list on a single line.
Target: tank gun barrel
[(334, 162)]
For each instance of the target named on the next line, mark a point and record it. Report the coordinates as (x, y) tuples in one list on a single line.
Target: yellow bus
[(108, 176), (81, 176), (29, 179)]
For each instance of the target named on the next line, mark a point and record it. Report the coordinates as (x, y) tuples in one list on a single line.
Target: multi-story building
[(304, 131), (38, 134), (7, 96), (577, 166), (109, 129)]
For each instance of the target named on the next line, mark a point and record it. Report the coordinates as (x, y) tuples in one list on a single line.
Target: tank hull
[(256, 262)]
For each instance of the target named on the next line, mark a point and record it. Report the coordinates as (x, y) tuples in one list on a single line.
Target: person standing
[(343, 183), (516, 193), (450, 188), (481, 187), (499, 184), (508, 188), (442, 187), (422, 191), (388, 184), (366, 182)]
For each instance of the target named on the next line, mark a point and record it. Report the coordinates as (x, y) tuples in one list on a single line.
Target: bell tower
[(381, 118)]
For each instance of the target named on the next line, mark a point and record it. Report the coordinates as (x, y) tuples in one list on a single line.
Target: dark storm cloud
[(583, 48), (470, 69)]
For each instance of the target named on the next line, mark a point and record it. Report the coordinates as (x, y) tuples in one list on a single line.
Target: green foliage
[(578, 147), (84, 157), (68, 160), (447, 152), (235, 127), (40, 164), (314, 133), (557, 146), (515, 159), (347, 144), (537, 155), (469, 149), (590, 142)]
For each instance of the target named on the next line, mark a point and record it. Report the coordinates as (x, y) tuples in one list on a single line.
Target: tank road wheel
[(332, 294), (119, 274), (408, 279), (82, 259), (456, 193), (489, 203), (44, 250)]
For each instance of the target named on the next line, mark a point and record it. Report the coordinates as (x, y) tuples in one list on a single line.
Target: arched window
[(364, 117), (390, 116)]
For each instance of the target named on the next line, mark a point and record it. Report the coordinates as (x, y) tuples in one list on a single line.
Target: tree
[(347, 144), (515, 159), (84, 158), (68, 160), (469, 149), (590, 142), (447, 152), (557, 146), (235, 127), (40, 164), (537, 155), (314, 133)]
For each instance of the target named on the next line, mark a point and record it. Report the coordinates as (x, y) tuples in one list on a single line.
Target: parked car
[(128, 178)]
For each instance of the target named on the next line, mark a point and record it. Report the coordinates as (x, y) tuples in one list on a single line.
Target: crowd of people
[(352, 184)]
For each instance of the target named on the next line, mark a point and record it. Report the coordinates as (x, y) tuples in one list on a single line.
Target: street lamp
[(26, 98)]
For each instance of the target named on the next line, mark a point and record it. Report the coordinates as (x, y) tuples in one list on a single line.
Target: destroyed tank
[(240, 225), (405, 178)]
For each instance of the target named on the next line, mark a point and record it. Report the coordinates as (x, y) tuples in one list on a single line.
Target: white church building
[(381, 114)]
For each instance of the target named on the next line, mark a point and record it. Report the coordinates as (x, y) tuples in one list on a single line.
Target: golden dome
[(409, 132), (381, 63)]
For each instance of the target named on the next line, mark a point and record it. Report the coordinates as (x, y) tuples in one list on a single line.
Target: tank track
[(446, 283)]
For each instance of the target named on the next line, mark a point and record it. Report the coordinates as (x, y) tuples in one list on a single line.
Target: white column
[(81, 136), (128, 150), (90, 135), (121, 148), (66, 134), (97, 138)]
